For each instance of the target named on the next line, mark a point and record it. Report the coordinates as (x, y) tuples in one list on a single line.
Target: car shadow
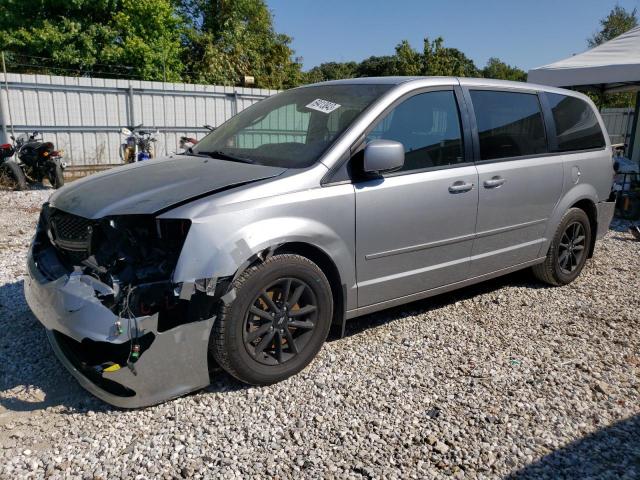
[(612, 452), (31, 378), (522, 278)]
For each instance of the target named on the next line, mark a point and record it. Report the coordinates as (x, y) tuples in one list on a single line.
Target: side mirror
[(383, 156)]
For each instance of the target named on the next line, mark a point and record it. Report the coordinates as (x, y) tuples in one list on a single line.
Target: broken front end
[(104, 291)]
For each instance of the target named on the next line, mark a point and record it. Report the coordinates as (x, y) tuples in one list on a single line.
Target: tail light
[(5, 146)]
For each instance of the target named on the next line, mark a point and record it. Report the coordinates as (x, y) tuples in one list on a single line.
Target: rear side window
[(428, 125), (510, 124), (577, 126)]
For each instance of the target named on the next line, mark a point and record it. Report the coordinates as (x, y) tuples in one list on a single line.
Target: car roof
[(466, 81)]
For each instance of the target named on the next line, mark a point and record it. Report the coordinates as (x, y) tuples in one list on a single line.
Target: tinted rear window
[(577, 126), (509, 124)]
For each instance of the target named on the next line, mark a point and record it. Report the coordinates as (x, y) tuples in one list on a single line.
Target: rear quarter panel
[(593, 184)]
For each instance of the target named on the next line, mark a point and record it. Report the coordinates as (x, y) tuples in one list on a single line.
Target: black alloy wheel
[(571, 248), (277, 323), (568, 251), (280, 321)]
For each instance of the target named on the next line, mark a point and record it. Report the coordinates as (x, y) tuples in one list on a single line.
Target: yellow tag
[(113, 368)]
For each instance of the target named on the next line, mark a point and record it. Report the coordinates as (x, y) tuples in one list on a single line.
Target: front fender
[(214, 252), (223, 241)]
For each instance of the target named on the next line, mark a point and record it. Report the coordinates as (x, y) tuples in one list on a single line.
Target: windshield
[(291, 129)]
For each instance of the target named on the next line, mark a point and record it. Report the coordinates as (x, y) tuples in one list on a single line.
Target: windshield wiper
[(225, 156)]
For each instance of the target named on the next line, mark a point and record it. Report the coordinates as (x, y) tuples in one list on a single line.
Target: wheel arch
[(589, 207), (583, 196), (330, 269)]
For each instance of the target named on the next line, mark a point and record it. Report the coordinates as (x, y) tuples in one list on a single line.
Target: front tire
[(568, 251), (277, 322), (12, 175)]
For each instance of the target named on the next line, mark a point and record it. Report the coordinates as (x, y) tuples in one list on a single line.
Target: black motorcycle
[(11, 175), (34, 161)]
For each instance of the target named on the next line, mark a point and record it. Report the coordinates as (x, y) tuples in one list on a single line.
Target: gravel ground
[(507, 378)]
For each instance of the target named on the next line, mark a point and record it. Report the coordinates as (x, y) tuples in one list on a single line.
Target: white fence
[(83, 116), (619, 123)]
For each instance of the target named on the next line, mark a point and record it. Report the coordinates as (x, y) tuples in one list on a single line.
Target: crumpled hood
[(154, 185)]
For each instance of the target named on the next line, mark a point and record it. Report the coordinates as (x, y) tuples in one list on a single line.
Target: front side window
[(291, 129), (577, 126), (428, 125), (509, 124)]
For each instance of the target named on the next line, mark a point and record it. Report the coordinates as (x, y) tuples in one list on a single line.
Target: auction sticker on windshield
[(324, 106)]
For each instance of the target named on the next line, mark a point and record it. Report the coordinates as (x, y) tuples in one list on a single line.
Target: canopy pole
[(634, 141)]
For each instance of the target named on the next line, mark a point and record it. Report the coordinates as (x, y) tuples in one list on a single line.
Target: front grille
[(71, 234), (70, 227)]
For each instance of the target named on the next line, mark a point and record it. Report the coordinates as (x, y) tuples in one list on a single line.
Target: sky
[(522, 33)]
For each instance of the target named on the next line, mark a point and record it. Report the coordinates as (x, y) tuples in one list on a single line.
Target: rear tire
[(277, 322), (56, 175), (12, 175), (568, 251)]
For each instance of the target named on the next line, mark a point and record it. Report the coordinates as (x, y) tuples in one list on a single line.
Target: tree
[(440, 60), (232, 39), (378, 66), (331, 71), (613, 25), (408, 61), (496, 68), (93, 37), (148, 38)]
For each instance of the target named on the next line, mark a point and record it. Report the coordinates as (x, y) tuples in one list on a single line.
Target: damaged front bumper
[(84, 333)]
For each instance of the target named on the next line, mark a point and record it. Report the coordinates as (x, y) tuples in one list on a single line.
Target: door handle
[(460, 187), (494, 182)]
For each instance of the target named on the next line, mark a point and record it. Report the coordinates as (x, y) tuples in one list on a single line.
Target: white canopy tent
[(611, 67)]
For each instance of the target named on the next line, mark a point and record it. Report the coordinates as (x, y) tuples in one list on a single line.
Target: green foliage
[(215, 41), (148, 38), (331, 71), (84, 37), (496, 68), (378, 66), (210, 41), (435, 59), (615, 24), (439, 60), (236, 38), (408, 61)]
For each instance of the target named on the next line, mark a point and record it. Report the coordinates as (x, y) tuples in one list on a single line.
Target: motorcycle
[(137, 145), (34, 161), (186, 143), (11, 175)]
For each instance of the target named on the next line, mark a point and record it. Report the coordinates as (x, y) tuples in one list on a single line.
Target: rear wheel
[(12, 176), (568, 251), (277, 323), (56, 175)]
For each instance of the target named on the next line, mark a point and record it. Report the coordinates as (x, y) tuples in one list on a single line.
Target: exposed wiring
[(133, 331)]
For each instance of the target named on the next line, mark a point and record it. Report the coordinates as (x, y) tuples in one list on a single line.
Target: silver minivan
[(309, 208)]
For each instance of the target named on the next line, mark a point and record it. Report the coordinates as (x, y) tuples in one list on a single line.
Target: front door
[(415, 227)]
